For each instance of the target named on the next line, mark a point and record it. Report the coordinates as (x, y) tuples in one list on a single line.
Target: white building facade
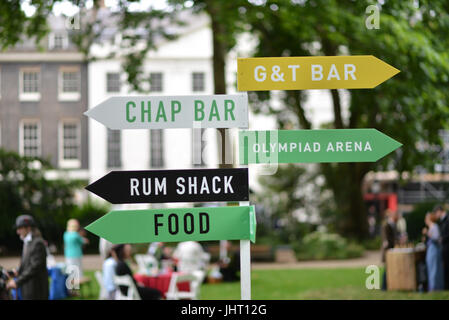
[(178, 67)]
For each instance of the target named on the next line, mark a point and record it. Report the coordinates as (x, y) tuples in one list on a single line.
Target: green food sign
[(306, 146), (179, 224)]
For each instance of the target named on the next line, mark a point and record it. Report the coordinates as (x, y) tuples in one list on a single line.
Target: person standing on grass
[(73, 245), (32, 276), (389, 239), (434, 260), (109, 265), (444, 230)]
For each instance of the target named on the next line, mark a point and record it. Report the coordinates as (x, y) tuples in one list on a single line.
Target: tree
[(25, 190), (410, 108), (225, 26), (15, 23), (281, 197)]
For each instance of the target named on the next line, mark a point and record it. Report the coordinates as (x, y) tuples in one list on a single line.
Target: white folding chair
[(103, 292), (196, 263), (205, 259), (146, 263), (126, 281), (173, 292)]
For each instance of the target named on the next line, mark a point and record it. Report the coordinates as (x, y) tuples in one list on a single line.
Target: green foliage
[(15, 24), (86, 214), (373, 244), (24, 189), (281, 197), (415, 220), (411, 107), (322, 246)]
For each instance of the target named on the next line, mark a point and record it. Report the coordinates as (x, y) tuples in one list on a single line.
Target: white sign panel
[(161, 112)]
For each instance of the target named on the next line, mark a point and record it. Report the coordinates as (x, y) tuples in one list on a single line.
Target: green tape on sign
[(306, 146), (179, 224)]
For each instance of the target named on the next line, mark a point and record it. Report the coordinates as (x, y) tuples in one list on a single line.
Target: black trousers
[(149, 294), (445, 256)]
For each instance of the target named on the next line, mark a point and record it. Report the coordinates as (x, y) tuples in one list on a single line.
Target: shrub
[(322, 246), (373, 244)]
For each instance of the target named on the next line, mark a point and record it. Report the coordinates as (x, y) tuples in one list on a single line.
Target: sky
[(67, 8)]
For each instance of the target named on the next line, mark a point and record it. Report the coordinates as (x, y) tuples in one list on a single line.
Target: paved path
[(369, 258), (94, 262)]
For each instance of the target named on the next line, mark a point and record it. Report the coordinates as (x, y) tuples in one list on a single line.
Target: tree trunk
[(219, 73), (345, 180), (357, 223)]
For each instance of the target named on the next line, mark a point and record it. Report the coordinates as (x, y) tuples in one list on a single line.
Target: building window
[(114, 149), (29, 84), (113, 82), (198, 147), (58, 41), (198, 81), (70, 144), (30, 138), (69, 84), (156, 148), (156, 79)]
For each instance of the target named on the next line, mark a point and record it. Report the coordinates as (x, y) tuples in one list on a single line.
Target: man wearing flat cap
[(32, 276)]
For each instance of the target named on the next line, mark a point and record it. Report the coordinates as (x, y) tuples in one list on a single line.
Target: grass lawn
[(302, 284)]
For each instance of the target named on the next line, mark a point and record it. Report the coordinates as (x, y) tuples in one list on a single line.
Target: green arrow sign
[(180, 224), (305, 146)]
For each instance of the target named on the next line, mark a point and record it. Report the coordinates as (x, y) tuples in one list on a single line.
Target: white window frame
[(68, 96), (120, 82), (162, 82), (193, 81), (51, 40), (21, 136), (107, 149), (160, 148), (29, 96), (68, 163)]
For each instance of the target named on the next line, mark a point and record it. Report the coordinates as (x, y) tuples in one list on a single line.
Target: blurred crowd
[(433, 272), (30, 280)]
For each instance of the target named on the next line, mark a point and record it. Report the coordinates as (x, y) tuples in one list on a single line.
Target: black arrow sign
[(151, 186)]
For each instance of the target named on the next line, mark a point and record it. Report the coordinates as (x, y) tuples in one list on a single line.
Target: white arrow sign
[(161, 112)]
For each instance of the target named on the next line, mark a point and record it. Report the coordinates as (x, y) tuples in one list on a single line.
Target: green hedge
[(322, 246)]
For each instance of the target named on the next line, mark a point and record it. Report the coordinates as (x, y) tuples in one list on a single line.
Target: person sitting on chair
[(122, 253)]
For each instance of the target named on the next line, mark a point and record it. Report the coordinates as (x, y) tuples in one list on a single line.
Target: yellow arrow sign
[(302, 73)]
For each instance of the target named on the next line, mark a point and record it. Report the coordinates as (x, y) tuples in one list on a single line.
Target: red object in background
[(160, 282), (391, 199)]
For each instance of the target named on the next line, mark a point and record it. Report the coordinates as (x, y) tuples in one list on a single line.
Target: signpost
[(161, 112), (301, 73), (177, 224), (306, 146), (210, 185), (151, 186)]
